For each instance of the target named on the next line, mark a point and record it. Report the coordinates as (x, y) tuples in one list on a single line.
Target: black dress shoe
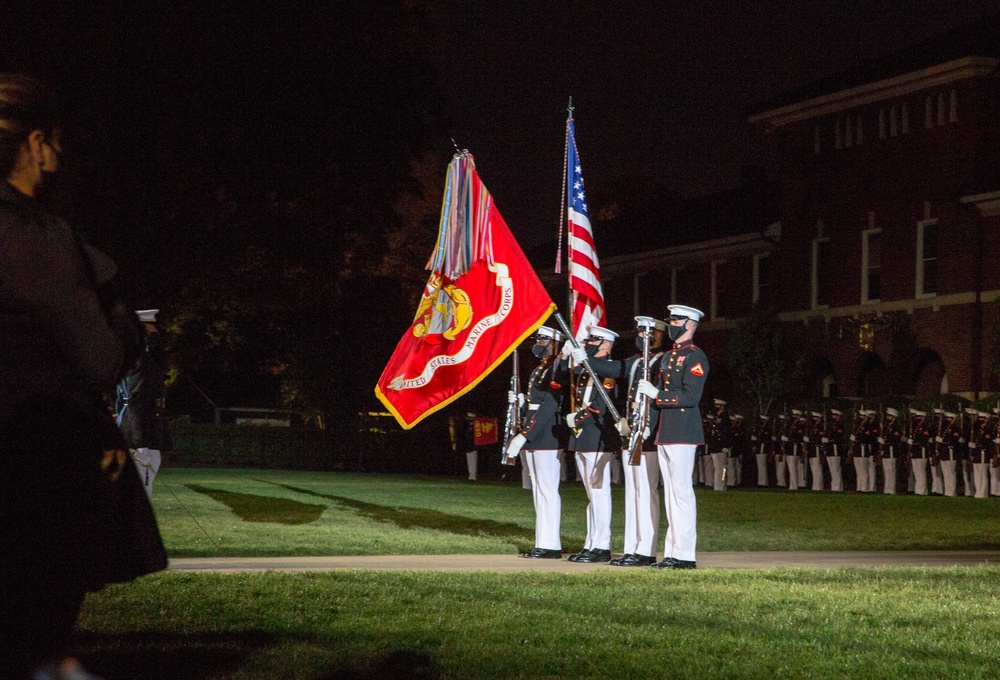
[(671, 563), (576, 556), (595, 556), (618, 560), (542, 554), (637, 560)]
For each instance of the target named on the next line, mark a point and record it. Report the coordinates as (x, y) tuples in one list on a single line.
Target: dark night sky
[(659, 86)]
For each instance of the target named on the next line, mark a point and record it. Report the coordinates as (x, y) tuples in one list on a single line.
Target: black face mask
[(540, 350), (676, 331), (592, 350), (638, 343)]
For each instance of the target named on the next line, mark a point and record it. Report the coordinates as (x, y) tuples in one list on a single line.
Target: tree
[(757, 356)]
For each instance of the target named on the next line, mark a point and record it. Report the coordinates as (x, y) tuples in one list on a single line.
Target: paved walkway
[(506, 563)]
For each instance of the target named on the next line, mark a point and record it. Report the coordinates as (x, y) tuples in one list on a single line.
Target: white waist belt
[(533, 407)]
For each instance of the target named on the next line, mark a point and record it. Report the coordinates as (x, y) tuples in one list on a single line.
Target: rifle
[(640, 418), (513, 426), (909, 440), (995, 459), (590, 371), (936, 452), (881, 435), (859, 424)]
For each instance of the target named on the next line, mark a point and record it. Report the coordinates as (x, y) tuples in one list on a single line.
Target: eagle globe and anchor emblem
[(444, 313)]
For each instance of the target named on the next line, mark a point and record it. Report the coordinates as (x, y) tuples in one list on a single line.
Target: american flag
[(587, 297)]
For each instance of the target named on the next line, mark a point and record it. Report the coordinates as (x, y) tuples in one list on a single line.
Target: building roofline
[(698, 251), (881, 90)]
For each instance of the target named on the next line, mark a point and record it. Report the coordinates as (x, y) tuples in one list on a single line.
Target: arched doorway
[(873, 378), (820, 378), (929, 375)]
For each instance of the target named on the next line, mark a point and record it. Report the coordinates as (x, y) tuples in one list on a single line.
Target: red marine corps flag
[(481, 301)]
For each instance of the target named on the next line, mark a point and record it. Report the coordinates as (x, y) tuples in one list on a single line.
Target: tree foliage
[(756, 352)]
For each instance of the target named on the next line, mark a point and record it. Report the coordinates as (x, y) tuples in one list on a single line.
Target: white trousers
[(802, 470), (595, 468), (793, 472), (949, 478), (709, 463), (676, 464), (761, 469), (995, 481), (472, 461), (863, 468), (836, 473), (147, 462), (919, 468), (816, 470), (889, 470), (981, 473), (967, 480), (733, 471), (616, 470), (562, 465), (937, 481), (525, 474), (779, 470), (545, 467), (719, 473), (642, 504)]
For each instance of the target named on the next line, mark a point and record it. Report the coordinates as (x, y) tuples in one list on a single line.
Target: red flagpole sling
[(481, 301)]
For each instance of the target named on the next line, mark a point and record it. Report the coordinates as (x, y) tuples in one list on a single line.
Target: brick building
[(879, 245)]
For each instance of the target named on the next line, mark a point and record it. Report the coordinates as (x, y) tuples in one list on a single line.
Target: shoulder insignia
[(698, 370)]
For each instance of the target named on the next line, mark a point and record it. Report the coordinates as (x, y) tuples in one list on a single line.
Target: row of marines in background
[(943, 447)]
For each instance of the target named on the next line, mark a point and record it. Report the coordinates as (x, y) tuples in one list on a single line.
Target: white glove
[(939, 440), (578, 354), (515, 445), (647, 389), (881, 440), (624, 429), (566, 349), (521, 399), (784, 438), (511, 397), (909, 441), (753, 437), (826, 440), (646, 432), (971, 445), (853, 438), (725, 451), (571, 419), (805, 439)]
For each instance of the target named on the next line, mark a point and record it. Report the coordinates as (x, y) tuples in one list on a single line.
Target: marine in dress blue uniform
[(543, 439), (677, 392), (642, 497), (595, 439)]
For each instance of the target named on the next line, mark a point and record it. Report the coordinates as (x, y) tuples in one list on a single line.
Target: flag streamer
[(481, 301)]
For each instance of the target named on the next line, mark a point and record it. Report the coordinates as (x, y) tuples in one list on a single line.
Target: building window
[(859, 135), (893, 127), (927, 258), (837, 141), (953, 108), (762, 280), (816, 140), (871, 265), (940, 109), (821, 273), (848, 132), (719, 293), (928, 113), (904, 121), (881, 124)]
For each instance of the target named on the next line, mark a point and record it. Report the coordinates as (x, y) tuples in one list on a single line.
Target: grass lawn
[(866, 623), (268, 512)]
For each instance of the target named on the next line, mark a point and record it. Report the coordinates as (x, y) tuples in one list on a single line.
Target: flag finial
[(569, 109)]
